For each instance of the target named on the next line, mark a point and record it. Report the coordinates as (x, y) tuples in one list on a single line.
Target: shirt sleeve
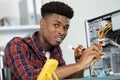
[(16, 59)]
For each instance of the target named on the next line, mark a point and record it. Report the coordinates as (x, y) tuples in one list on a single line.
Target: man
[(26, 56)]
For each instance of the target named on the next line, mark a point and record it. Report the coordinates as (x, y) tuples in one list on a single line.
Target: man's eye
[(66, 28), (56, 25)]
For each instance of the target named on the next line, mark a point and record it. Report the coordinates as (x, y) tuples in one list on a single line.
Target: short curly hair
[(58, 8)]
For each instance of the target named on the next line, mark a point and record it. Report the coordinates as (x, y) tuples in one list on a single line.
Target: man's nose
[(61, 30)]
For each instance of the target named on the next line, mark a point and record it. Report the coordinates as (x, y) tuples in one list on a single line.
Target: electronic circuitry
[(100, 30)]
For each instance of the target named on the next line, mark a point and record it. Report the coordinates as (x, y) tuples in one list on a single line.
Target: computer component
[(97, 31)]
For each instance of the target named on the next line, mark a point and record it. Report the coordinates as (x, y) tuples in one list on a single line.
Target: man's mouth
[(59, 39)]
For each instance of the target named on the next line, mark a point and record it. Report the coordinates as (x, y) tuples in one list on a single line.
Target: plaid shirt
[(25, 57)]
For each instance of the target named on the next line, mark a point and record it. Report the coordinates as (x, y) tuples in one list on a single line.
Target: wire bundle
[(104, 30), (101, 35)]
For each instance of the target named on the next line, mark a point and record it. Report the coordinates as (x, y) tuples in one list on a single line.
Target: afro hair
[(58, 8)]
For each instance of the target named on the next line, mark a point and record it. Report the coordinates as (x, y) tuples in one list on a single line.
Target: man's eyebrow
[(57, 21), (60, 23)]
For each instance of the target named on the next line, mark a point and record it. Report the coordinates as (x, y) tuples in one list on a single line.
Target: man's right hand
[(88, 55)]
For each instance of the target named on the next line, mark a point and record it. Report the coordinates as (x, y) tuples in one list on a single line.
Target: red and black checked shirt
[(25, 57)]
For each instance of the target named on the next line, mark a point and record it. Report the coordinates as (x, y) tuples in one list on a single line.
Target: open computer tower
[(110, 61)]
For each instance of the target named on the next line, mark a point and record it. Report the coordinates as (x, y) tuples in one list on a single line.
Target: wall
[(9, 9), (84, 9)]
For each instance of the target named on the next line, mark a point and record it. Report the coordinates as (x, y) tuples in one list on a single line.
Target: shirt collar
[(54, 50)]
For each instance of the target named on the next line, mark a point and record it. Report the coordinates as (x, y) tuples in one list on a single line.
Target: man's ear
[(42, 23)]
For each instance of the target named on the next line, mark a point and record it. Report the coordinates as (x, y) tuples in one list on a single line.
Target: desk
[(95, 78)]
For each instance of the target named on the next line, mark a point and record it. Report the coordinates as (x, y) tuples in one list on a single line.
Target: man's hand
[(78, 52), (86, 56)]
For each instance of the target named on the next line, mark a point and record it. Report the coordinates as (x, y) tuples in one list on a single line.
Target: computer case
[(110, 61)]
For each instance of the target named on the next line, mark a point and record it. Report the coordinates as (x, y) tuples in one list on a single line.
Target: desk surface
[(95, 78)]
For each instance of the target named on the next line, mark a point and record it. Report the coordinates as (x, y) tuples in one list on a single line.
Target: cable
[(104, 30), (92, 67), (101, 34)]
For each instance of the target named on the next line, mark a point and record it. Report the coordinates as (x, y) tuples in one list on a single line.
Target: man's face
[(54, 29)]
